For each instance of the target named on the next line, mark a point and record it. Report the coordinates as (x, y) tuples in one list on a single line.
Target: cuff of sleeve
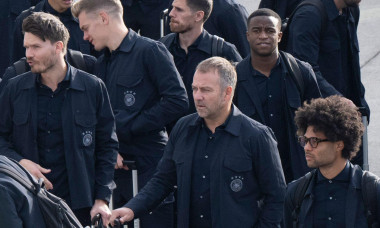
[(103, 193)]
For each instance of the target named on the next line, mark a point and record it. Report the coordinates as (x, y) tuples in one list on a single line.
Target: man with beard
[(327, 39), (268, 90), (61, 9), (191, 43), (222, 162), (146, 94), (57, 122), (336, 193)]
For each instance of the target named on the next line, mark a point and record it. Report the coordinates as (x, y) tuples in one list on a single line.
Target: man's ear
[(199, 15), (279, 36), (104, 17), (340, 145), (59, 48)]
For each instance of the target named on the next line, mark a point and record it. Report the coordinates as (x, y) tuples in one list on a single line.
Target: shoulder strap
[(294, 71), (21, 66), (168, 40), (75, 58), (299, 195), (14, 175), (217, 46), (370, 183)]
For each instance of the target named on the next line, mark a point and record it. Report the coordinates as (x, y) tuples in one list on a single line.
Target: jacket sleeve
[(268, 169), (303, 43), (173, 102), (6, 125), (106, 145)]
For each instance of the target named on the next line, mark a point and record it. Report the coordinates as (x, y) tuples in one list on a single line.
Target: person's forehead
[(205, 78), (268, 21)]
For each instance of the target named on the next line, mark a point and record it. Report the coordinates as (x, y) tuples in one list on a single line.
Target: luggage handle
[(130, 164)]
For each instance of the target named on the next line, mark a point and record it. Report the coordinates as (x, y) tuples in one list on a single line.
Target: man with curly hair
[(330, 131)]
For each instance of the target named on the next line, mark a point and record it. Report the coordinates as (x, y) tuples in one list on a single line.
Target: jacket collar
[(203, 42), (127, 43), (246, 64), (232, 124), (75, 83)]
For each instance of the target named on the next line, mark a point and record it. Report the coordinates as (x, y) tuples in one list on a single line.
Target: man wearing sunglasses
[(337, 193)]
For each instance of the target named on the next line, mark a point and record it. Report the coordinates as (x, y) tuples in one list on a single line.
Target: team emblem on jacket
[(87, 138), (129, 98), (236, 183)]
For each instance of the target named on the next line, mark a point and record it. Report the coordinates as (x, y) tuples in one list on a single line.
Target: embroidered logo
[(87, 138), (129, 98), (236, 183)]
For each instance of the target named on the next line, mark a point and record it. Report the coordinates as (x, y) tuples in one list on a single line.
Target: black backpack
[(286, 22), (56, 213), (370, 184), (216, 48), (75, 58)]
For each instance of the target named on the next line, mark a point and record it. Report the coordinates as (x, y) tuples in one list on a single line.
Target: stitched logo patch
[(87, 138), (236, 183), (129, 98)]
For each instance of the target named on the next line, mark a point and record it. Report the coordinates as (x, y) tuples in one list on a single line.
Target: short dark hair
[(264, 12), (334, 117), (201, 5), (46, 27)]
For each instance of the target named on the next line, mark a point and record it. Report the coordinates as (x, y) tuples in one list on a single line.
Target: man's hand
[(101, 207), (37, 171), (124, 214), (119, 163)]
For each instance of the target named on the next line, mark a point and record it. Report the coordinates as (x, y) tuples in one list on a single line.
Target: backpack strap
[(75, 58), (21, 66), (370, 184), (14, 175), (294, 72), (168, 39), (217, 46), (299, 195)]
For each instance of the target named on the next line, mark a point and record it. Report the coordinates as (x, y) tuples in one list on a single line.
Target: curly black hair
[(337, 118)]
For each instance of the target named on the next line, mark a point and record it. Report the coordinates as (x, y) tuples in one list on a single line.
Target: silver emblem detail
[(87, 138), (236, 184), (129, 98)]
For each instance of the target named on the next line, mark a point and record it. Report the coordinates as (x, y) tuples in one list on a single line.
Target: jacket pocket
[(85, 127), (132, 92), (20, 118), (238, 176)]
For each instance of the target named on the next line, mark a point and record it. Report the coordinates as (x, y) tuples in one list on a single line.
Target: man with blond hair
[(146, 93)]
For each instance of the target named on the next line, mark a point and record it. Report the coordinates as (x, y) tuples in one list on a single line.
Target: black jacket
[(354, 213), (146, 93), (331, 60), (86, 108), (248, 101), (249, 152)]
